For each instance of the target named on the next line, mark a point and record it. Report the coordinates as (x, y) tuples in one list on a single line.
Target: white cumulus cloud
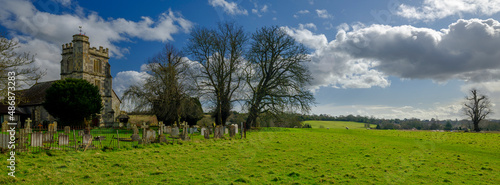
[(431, 10), (229, 7)]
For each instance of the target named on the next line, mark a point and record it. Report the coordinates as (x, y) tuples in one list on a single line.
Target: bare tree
[(277, 76), (163, 93), (219, 53), (19, 63), (477, 107)]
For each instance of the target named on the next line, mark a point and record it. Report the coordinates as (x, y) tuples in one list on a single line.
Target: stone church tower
[(80, 61)]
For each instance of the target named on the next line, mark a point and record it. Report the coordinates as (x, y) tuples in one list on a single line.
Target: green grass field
[(279, 156)]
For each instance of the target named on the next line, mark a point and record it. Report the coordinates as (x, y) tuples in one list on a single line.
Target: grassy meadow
[(279, 156)]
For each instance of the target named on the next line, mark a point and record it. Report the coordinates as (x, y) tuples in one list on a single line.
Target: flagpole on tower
[(80, 29)]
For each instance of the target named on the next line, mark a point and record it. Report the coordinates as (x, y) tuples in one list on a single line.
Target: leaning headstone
[(175, 132), (67, 130), (4, 140), (81, 133), (185, 130), (5, 126), (63, 140), (36, 139), (27, 126), (48, 137), (86, 139)]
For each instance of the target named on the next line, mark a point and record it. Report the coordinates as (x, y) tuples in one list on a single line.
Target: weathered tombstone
[(203, 131), (144, 132), (4, 140), (232, 131), (86, 139), (218, 132), (160, 127), (27, 126), (191, 130), (135, 137), (151, 135), (236, 127), (5, 126), (168, 130), (120, 125), (175, 132), (23, 138), (81, 133), (162, 138), (48, 137), (136, 131), (206, 134), (36, 139), (67, 130), (63, 139), (226, 130), (55, 126)]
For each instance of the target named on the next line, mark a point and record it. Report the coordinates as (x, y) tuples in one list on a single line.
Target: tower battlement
[(100, 52)]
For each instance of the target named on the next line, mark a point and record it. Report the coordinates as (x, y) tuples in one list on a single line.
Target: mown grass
[(279, 156)]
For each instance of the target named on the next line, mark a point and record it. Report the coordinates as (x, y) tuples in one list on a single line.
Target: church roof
[(34, 95)]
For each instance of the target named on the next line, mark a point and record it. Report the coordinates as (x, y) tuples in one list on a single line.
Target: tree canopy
[(72, 101)]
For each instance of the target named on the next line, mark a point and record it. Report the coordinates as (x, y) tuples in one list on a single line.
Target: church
[(79, 61)]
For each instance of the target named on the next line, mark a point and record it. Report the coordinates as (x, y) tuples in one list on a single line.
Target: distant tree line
[(407, 124)]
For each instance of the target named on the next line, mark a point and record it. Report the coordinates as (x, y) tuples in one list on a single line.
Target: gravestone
[(136, 131), (203, 131), (161, 127), (120, 124), (27, 126), (4, 140), (48, 137), (5, 126), (151, 135), (218, 132), (175, 132), (129, 126), (206, 134), (226, 130), (185, 130), (22, 135), (86, 139), (236, 128), (168, 130), (144, 132), (36, 139), (191, 130), (135, 137), (63, 139), (81, 133), (67, 130), (163, 138), (232, 131)]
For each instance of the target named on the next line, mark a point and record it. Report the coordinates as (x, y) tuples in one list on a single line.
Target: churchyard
[(276, 156)]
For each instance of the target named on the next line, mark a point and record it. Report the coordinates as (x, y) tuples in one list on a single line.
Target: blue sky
[(387, 58)]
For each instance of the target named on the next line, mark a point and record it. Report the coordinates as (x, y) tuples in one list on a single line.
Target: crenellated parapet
[(67, 48), (99, 52)]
